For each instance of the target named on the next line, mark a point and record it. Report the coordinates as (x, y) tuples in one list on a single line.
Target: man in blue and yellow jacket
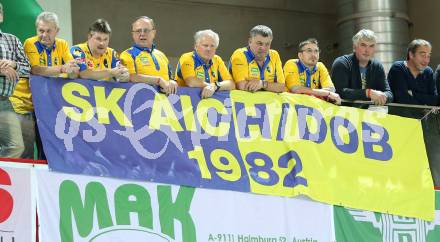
[(202, 67), (257, 67), (145, 63), (306, 75), (96, 60), (48, 56)]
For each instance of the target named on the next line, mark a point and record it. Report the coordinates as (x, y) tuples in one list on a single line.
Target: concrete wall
[(290, 20), (62, 9), (426, 24)]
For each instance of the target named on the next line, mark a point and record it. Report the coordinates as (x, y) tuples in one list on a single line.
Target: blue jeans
[(11, 139)]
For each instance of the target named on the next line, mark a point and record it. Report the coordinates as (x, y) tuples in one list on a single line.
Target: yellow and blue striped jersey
[(244, 66), (191, 65), (38, 55), (146, 61), (83, 55), (297, 74)]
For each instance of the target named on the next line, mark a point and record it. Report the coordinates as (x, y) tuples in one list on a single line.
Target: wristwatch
[(217, 86)]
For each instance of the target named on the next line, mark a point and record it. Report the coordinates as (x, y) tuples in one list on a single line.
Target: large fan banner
[(265, 143)]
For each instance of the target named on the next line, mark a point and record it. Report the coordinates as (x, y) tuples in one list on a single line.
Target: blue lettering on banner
[(128, 130)]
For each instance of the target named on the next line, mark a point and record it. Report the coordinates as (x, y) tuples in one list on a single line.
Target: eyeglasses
[(311, 51), (142, 31)]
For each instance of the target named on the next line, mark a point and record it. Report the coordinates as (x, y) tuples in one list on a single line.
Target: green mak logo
[(359, 225), (128, 199)]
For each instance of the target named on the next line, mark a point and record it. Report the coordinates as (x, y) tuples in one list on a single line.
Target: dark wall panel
[(291, 21)]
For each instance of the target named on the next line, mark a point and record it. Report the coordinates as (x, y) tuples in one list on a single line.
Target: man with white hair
[(258, 67), (48, 56), (412, 80), (358, 76), (202, 67)]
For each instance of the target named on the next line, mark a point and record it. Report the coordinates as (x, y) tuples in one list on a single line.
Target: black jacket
[(347, 78), (422, 88)]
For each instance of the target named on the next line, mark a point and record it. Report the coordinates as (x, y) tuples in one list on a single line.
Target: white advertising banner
[(17, 206), (81, 208)]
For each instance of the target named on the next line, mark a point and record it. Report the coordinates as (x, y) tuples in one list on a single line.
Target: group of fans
[(256, 67)]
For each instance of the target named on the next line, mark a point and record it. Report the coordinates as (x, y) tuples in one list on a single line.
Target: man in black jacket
[(358, 76), (412, 80)]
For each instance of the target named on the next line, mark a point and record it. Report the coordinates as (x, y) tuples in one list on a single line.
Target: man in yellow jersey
[(48, 56), (95, 59), (202, 67), (145, 63), (257, 67), (306, 75)]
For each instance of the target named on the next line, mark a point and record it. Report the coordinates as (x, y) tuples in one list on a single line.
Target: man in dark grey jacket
[(358, 76)]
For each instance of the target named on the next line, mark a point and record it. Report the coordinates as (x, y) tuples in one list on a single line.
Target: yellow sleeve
[(223, 70), (325, 78), (128, 62), (239, 66), (279, 68), (291, 74), (187, 66), (66, 55), (31, 53)]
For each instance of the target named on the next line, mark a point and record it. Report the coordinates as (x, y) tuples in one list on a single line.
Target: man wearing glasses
[(145, 63), (306, 75), (257, 67), (358, 76), (412, 81), (95, 59)]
